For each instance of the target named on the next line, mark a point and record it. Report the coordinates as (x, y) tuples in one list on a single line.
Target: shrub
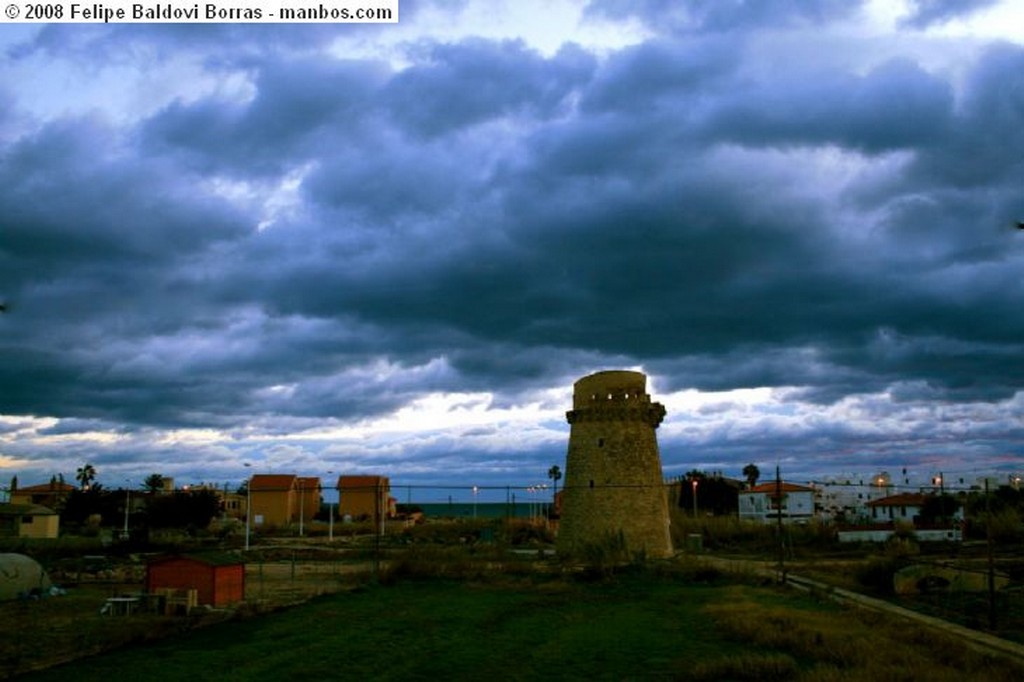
[(518, 532), (432, 562), (601, 558), (1006, 525), (722, 532), (460, 532)]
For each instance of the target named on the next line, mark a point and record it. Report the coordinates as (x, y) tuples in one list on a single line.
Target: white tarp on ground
[(21, 575)]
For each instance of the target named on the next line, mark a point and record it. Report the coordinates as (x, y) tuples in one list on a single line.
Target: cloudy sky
[(393, 248)]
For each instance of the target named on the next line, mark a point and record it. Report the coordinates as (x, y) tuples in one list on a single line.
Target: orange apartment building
[(283, 499), (272, 499), (364, 497)]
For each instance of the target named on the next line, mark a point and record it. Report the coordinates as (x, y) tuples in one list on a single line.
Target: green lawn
[(442, 631), (640, 627)]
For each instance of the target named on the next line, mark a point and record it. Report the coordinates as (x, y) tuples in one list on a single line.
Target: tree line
[(92, 505)]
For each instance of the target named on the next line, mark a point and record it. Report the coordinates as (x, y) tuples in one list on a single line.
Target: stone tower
[(613, 482)]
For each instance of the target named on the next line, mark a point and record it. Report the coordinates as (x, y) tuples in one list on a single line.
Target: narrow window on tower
[(600, 442)]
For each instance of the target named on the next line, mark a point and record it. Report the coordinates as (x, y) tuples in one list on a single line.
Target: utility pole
[(778, 519), (377, 530), (991, 560), (248, 507), (127, 509), (302, 506)]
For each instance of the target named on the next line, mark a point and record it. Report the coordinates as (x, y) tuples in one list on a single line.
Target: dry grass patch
[(840, 644)]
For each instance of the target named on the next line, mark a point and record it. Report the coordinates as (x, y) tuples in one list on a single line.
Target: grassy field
[(642, 625)]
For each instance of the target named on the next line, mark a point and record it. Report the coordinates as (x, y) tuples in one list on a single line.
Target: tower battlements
[(614, 395)]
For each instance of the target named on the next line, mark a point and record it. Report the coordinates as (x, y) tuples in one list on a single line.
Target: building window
[(26, 520)]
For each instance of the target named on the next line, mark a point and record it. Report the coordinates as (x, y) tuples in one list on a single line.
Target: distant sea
[(482, 510)]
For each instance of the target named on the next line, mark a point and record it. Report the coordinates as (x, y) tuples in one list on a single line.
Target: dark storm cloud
[(584, 218), (925, 13), (979, 148), (297, 103), (90, 239), (72, 199), (341, 237), (662, 72), (896, 106), (470, 82), (727, 15)]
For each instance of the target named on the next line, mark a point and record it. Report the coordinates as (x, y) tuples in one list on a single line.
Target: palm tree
[(85, 475), (554, 473), (154, 483), (751, 473)]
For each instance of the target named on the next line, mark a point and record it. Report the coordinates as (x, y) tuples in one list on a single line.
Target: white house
[(763, 503), (888, 513), (899, 507), (847, 498)]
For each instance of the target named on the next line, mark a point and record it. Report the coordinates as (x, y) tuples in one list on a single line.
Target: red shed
[(218, 578)]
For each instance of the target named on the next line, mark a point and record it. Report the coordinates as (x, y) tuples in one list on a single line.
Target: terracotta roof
[(45, 488), (362, 481), (773, 487), (271, 482), (308, 482), (899, 500)]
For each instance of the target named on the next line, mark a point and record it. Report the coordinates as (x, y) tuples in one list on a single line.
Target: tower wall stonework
[(613, 480)]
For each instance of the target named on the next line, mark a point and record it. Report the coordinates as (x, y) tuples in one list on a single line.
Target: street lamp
[(693, 483), (475, 491), (127, 507), (302, 506)]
